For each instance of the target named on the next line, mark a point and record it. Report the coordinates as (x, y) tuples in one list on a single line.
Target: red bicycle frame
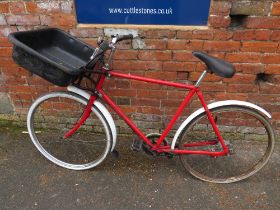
[(157, 146)]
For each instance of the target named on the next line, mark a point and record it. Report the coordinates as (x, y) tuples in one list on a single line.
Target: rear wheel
[(248, 135), (53, 115)]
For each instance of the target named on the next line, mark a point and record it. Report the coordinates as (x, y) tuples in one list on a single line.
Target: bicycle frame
[(157, 146)]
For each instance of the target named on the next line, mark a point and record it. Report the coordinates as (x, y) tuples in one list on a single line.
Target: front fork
[(84, 117)]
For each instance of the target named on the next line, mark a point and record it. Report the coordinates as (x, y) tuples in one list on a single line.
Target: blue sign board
[(143, 12)]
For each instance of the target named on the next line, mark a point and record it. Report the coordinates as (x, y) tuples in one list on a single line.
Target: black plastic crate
[(51, 53)]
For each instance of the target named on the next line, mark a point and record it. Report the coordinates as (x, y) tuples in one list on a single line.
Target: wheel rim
[(87, 148), (241, 129)]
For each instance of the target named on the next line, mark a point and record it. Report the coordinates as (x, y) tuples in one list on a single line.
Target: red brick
[(128, 109), (222, 35), (17, 7), (150, 110), (154, 55), (219, 21), (23, 20), (126, 54), (4, 7), (15, 80), (176, 44), (209, 78), (170, 76), (184, 34), (276, 8), (263, 99), (269, 89), (123, 92), (263, 22), (220, 55), (171, 102), (226, 46), (242, 88), (5, 51), (244, 57), (154, 44), (143, 85), (271, 59), (159, 94), (6, 62), (272, 69), (241, 79), (212, 87), (177, 94), (184, 44), (31, 7), (179, 66), (260, 35), (182, 75), (4, 42), (124, 45), (249, 68), (120, 83), (203, 34), (259, 46), (91, 42), (275, 36), (145, 102), (184, 56), (64, 20), (20, 89), (200, 66), (158, 34), (137, 65)]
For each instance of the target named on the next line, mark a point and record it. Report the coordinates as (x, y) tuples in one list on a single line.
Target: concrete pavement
[(133, 181)]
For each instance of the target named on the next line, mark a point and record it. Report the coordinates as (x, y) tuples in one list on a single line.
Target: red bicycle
[(223, 142)]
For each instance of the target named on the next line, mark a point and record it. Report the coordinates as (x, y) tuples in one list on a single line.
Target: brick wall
[(246, 33)]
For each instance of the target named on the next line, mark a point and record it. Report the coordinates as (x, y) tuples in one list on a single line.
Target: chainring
[(153, 137)]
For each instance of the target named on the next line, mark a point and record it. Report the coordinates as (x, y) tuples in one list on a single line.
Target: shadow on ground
[(133, 181)]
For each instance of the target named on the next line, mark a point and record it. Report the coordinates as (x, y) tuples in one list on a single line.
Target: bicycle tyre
[(52, 115), (240, 135)]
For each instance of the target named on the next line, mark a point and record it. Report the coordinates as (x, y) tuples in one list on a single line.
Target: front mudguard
[(102, 108)]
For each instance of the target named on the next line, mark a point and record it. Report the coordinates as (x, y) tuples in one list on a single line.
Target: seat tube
[(197, 84), (212, 121)]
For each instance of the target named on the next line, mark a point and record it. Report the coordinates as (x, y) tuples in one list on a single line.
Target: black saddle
[(215, 65)]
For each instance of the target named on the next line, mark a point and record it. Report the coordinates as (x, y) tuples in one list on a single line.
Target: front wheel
[(248, 135), (53, 115)]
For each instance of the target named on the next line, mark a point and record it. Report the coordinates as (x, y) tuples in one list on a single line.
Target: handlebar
[(104, 45), (119, 38)]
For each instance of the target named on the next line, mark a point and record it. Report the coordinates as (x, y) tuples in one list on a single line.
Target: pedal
[(115, 153), (136, 145)]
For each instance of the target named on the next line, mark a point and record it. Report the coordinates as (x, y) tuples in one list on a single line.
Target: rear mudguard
[(102, 108), (212, 106)]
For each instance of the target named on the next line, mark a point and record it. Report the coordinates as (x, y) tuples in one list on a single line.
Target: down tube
[(125, 118)]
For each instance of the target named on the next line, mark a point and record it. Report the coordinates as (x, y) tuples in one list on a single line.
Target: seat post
[(200, 78)]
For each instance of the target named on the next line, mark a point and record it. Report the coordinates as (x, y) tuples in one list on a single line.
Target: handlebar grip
[(124, 37), (104, 46)]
